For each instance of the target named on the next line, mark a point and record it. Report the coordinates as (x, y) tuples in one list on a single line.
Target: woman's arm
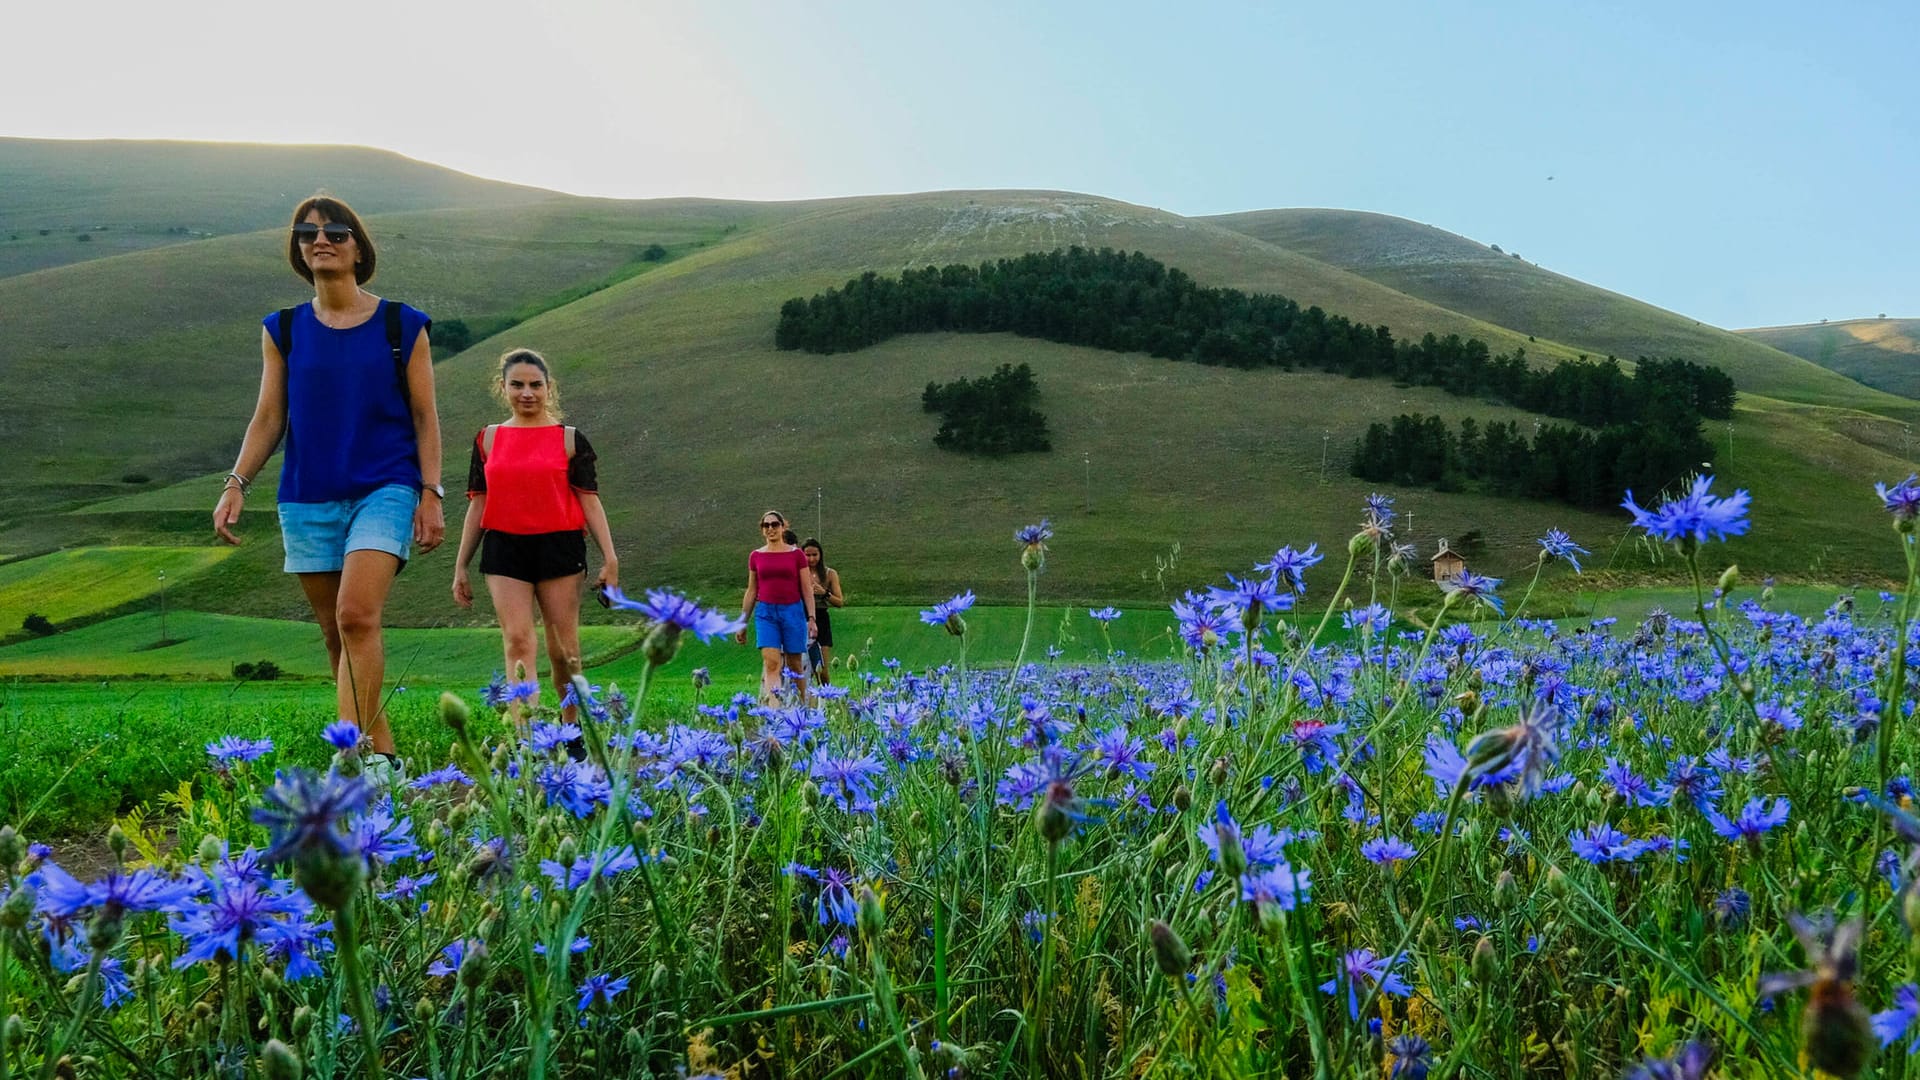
[(430, 518), (834, 596), (469, 540), (602, 537), (806, 594), (269, 423), (746, 602)]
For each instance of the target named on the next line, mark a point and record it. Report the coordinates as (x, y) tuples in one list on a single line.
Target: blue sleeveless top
[(349, 432)]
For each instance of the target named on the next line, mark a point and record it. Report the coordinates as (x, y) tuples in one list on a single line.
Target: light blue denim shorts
[(317, 536), (780, 626)]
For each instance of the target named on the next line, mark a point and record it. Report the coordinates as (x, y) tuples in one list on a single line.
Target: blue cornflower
[(1697, 516), (607, 864), (1602, 843), (1752, 822), (452, 774), (1730, 907), (344, 735), (1372, 619), (1412, 1057), (835, 902), (546, 736), (237, 911), (1363, 964), (1558, 545), (1687, 1063), (1201, 626), (1280, 887), (233, 748), (602, 988), (574, 948), (495, 693), (120, 892), (847, 779), (1468, 585), (1249, 599), (380, 837), (570, 699), (578, 786), (1030, 535), (1891, 1024), (1103, 615), (452, 956), (406, 886), (1387, 850), (1122, 753), (943, 614), (673, 610), (1902, 500), (1380, 509), (528, 691), (1292, 565)]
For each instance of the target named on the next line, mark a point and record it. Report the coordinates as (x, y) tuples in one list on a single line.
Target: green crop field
[(67, 585)]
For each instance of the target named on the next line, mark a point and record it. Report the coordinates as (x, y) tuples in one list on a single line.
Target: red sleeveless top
[(527, 481)]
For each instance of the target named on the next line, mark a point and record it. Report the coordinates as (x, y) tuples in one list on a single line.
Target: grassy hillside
[(125, 195), (1882, 353), (1474, 279), (701, 424)]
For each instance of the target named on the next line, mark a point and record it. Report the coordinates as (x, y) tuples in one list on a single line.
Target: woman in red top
[(531, 487), (779, 600)]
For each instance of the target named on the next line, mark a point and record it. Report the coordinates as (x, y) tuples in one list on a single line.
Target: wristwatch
[(436, 489)]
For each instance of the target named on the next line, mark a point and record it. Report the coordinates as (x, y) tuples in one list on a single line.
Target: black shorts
[(822, 623), (533, 557)]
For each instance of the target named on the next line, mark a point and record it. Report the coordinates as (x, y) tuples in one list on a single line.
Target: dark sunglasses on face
[(771, 524), (306, 232)]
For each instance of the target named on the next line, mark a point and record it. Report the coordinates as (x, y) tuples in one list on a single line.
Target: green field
[(66, 585), (1882, 353)]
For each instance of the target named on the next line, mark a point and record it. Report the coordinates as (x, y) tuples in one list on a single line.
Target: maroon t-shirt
[(778, 573)]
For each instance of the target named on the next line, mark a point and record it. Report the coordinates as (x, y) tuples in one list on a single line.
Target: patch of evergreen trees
[(992, 415), (1131, 303)]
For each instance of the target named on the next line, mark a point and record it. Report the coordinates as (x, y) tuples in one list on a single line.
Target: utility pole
[(819, 505), (1326, 437), (1086, 459), (163, 607)]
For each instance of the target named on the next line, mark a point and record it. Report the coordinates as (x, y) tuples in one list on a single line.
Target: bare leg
[(513, 604), (323, 595), (797, 663), (560, 610), (769, 675), (363, 659), (826, 665)]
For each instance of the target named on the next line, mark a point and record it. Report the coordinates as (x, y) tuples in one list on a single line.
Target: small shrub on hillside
[(260, 671), (992, 415), (136, 478), (654, 253), (37, 624)]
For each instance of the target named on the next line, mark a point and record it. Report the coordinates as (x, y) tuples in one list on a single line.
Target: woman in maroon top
[(531, 488), (779, 600)]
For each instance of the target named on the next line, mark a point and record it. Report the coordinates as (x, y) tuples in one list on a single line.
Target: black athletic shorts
[(534, 557), (822, 622)]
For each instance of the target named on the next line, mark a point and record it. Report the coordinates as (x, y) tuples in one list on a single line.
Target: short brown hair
[(340, 213)]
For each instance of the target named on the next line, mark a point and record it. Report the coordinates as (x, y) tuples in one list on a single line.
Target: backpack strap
[(399, 353), (570, 431), (486, 441), (283, 332)]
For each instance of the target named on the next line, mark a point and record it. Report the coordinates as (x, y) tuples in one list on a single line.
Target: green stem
[(1036, 1030), (1026, 636), (80, 1010), (883, 993), (359, 998), (6, 995), (1303, 989), (1539, 565)]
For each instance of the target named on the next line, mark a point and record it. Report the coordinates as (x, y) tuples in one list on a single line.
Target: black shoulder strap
[(283, 332), (399, 353)]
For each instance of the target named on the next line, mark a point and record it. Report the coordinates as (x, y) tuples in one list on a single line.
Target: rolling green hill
[(126, 195), (701, 423), (1882, 353), (1475, 279)]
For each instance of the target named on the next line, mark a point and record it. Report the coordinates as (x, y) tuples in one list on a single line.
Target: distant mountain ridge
[(1882, 353)]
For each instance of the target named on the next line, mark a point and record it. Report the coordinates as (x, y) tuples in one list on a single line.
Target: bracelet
[(246, 485)]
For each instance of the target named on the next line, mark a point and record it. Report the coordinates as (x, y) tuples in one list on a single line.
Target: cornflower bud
[(1182, 798), (1835, 1030), (1169, 952), (329, 878), (117, 843), (1217, 775), (1910, 910), (302, 1022), (18, 908), (209, 850), (1050, 818), (662, 643), (1505, 890), (279, 1062), (569, 850), (64, 1068), (473, 966), (1359, 545), (1431, 939), (12, 850), (1557, 881), (423, 1011), (13, 1033), (454, 713), (956, 625), (1729, 578), (633, 1044), (1486, 965), (872, 918), (103, 933)]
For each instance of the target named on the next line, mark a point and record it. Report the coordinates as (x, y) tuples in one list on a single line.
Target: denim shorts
[(781, 626), (317, 536)]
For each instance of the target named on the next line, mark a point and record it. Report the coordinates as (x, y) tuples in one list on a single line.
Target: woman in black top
[(826, 596)]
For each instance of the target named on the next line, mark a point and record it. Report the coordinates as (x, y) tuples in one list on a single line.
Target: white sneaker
[(383, 772)]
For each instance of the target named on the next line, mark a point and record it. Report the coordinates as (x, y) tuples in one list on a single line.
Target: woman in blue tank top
[(348, 379)]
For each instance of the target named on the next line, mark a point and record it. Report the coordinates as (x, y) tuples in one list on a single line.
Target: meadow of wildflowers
[(1503, 848)]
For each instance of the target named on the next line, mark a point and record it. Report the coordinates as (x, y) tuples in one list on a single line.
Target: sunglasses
[(307, 232), (773, 524)]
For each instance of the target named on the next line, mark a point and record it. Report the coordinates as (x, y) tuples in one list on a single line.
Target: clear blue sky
[(1746, 164)]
